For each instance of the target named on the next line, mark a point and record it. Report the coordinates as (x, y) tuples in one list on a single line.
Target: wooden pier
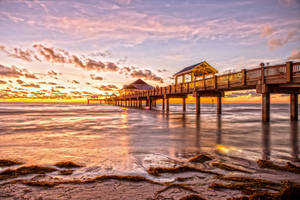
[(277, 79)]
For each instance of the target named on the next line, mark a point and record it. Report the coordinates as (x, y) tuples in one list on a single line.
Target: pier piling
[(294, 106)]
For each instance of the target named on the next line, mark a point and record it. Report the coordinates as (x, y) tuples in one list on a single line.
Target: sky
[(69, 50)]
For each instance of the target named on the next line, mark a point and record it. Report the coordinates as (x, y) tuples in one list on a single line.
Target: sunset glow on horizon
[(67, 51)]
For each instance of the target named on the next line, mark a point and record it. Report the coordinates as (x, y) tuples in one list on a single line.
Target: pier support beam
[(219, 104), (198, 104), (150, 103), (183, 104), (163, 104), (167, 104), (140, 103), (294, 106), (154, 103), (265, 107)]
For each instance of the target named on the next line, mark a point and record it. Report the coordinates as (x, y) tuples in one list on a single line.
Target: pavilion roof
[(201, 68)]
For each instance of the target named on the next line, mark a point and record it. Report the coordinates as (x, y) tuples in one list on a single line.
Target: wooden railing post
[(289, 72), (244, 77), (215, 82), (262, 75)]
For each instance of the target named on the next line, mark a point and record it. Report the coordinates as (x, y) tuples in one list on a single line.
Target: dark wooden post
[(219, 104), (215, 82), (183, 104), (140, 103), (147, 101), (262, 74), (167, 106), (244, 77), (150, 103), (266, 107), (163, 104), (294, 106), (289, 72), (198, 104)]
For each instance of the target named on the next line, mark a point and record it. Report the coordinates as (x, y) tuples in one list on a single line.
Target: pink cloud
[(295, 55)]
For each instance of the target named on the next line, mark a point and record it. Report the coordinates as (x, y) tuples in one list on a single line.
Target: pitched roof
[(138, 85), (203, 68), (188, 68)]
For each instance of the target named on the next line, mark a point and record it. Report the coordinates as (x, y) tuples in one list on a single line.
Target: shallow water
[(108, 139)]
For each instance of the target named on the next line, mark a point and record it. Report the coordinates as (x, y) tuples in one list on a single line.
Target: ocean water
[(113, 140)]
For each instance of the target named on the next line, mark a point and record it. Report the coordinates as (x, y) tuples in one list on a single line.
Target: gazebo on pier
[(195, 71)]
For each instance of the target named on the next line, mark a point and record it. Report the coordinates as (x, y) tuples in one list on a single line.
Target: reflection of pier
[(266, 146), (280, 79), (100, 98)]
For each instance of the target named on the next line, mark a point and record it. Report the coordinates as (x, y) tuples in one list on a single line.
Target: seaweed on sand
[(67, 164), (180, 186), (201, 158), (246, 188), (91, 180), (228, 167), (13, 173), (156, 171), (7, 163), (248, 179), (192, 197), (288, 190), (289, 167), (66, 172)]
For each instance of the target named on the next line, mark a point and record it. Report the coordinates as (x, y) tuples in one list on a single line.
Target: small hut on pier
[(135, 86), (193, 72)]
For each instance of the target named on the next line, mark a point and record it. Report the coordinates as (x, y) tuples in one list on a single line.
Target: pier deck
[(279, 79)]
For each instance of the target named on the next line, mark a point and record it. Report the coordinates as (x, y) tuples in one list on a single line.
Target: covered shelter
[(135, 86), (201, 69)]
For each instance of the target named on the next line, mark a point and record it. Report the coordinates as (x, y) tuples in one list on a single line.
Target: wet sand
[(134, 154), (200, 177)]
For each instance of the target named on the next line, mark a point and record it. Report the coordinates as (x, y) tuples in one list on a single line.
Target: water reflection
[(197, 138), (219, 129), (266, 141), (294, 140)]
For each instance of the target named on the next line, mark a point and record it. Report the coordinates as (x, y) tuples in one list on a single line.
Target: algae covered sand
[(186, 180)]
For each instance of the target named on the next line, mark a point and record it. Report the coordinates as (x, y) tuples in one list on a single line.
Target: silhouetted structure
[(280, 79)]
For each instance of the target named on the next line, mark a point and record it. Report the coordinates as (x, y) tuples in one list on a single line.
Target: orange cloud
[(267, 31), (295, 55)]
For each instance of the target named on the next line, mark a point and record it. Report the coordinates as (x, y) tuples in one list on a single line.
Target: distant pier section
[(201, 80)]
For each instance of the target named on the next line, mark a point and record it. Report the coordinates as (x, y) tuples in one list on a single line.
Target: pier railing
[(244, 79)]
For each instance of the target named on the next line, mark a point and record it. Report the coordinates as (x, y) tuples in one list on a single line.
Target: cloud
[(279, 42), (244, 93), (146, 74), (32, 76), (107, 87), (10, 72), (102, 54), (267, 31), (87, 83), (2, 82), (27, 55), (20, 82), (60, 87), (295, 55), (31, 85), (162, 70), (62, 56), (112, 67), (94, 77), (49, 54), (75, 82)]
